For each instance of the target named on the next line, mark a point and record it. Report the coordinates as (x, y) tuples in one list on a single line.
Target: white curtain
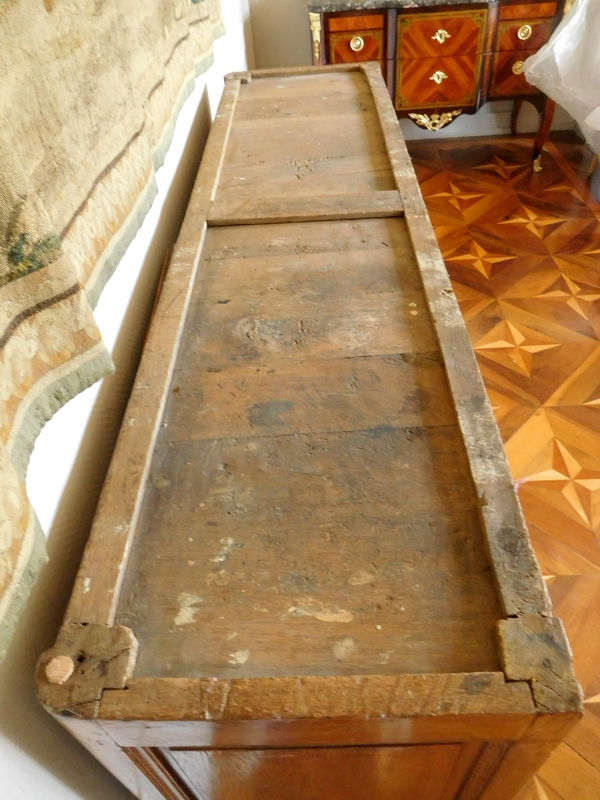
[(567, 68)]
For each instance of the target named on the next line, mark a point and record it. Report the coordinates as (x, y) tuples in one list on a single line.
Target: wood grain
[(306, 209), (341, 51), (350, 773), (355, 22), (417, 708), (507, 35), (104, 748), (517, 573), (95, 594), (337, 395), (543, 407), (504, 82), (329, 535), (526, 11), (416, 33)]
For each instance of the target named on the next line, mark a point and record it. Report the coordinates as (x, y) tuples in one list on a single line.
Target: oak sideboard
[(308, 577), (439, 58)]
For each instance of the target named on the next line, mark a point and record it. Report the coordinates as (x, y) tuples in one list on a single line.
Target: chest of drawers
[(308, 574), (441, 60)]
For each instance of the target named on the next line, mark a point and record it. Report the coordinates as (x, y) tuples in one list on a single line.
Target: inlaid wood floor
[(523, 252)]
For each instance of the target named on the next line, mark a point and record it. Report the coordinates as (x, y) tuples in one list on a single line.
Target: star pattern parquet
[(523, 253)]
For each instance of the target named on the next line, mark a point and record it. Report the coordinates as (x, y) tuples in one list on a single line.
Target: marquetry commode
[(308, 576), (441, 58)]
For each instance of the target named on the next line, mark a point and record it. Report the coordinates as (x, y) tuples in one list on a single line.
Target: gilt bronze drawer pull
[(524, 32), (517, 67), (439, 76), (357, 43), (441, 36)]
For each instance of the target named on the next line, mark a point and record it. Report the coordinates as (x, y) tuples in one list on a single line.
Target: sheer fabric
[(567, 68)]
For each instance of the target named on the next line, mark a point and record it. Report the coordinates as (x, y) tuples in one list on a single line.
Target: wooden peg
[(59, 669)]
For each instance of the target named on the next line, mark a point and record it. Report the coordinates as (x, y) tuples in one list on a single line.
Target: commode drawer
[(434, 35), (353, 46), (437, 82), (524, 34)]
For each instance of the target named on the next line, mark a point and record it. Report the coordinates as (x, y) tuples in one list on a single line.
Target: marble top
[(364, 5)]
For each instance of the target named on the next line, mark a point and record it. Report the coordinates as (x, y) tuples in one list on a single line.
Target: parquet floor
[(523, 252)]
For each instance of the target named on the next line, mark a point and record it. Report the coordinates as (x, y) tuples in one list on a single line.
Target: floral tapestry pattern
[(89, 93)]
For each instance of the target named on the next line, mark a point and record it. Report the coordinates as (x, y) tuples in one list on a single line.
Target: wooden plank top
[(310, 508), (321, 488)]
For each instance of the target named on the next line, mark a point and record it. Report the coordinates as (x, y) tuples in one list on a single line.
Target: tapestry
[(89, 93)]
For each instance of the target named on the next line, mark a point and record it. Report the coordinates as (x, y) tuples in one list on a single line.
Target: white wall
[(38, 759)]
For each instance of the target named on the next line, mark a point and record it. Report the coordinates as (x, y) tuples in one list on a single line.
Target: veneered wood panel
[(158, 769), (381, 773), (270, 154), (456, 83), (317, 711), (527, 11), (504, 82), (458, 33), (368, 44), (355, 22), (507, 34)]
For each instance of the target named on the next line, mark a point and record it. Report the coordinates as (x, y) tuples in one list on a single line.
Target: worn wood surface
[(368, 697), (310, 509), (518, 576), (96, 591), (544, 438), (328, 536)]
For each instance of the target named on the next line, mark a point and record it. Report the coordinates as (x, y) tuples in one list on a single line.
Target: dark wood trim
[(492, 24), (155, 764)]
